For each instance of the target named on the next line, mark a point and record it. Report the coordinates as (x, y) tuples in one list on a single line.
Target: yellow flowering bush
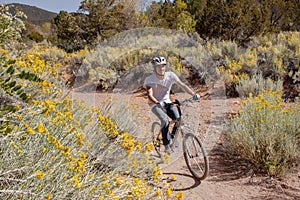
[(175, 63), (54, 147), (266, 132), (256, 84), (269, 55)]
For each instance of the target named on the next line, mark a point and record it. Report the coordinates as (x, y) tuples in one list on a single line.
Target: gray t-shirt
[(161, 88)]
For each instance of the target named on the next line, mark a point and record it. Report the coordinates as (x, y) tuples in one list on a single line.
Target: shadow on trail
[(178, 186), (227, 167)]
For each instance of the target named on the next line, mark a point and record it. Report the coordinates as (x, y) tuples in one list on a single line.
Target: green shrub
[(123, 52), (35, 36), (267, 133)]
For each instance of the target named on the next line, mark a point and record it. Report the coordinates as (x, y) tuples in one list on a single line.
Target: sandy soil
[(228, 177)]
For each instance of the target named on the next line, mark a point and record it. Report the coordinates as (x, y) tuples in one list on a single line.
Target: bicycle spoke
[(195, 155), (196, 163)]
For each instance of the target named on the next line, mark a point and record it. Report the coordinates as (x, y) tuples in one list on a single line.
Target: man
[(158, 86)]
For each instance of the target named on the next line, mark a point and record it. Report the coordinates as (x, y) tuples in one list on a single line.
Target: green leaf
[(12, 84), (10, 108), (31, 76), (6, 80), (24, 96), (21, 75), (34, 78), (20, 92), (10, 70), (10, 62), (16, 88)]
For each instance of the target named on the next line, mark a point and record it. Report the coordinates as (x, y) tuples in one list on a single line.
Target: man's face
[(160, 69)]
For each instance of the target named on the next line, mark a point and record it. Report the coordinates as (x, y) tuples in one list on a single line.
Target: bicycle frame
[(193, 150), (180, 123)]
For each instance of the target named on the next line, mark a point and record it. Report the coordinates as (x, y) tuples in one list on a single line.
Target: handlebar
[(183, 102)]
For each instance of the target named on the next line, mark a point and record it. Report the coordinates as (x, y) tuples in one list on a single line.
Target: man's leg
[(164, 120), (172, 112)]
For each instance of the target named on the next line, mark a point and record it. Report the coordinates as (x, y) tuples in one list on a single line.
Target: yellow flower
[(94, 188), (137, 181), (23, 138), (149, 146), (19, 117), (70, 167), (65, 150), (157, 173), (179, 195), (80, 138), (105, 184), (117, 182), (76, 181), (169, 192), (80, 166), (158, 192), (40, 174), (173, 177), (40, 128), (285, 110), (17, 107), (77, 184), (109, 126), (138, 145), (29, 130), (48, 196), (69, 115), (83, 156), (109, 192), (101, 197)]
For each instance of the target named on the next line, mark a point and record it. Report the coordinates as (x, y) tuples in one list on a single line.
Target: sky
[(49, 5)]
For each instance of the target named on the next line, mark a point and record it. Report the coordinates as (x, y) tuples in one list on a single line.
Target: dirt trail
[(228, 178)]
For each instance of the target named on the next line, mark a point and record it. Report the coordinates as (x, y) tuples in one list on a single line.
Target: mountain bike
[(193, 150)]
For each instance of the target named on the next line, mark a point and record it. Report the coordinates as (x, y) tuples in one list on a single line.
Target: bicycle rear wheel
[(195, 156), (156, 137)]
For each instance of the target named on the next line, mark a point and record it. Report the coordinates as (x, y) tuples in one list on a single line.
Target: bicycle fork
[(196, 153), (196, 149)]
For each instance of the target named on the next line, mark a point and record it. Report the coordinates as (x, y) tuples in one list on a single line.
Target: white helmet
[(159, 61)]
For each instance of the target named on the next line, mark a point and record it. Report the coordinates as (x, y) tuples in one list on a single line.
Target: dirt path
[(228, 178)]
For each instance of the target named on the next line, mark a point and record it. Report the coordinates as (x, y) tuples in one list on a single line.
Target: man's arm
[(150, 95), (186, 88)]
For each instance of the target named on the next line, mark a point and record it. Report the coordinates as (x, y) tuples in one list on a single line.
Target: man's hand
[(162, 104), (196, 97)]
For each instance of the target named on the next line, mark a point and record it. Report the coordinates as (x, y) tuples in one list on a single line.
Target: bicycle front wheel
[(195, 156)]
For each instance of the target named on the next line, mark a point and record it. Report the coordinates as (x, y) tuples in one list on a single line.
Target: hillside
[(34, 14)]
